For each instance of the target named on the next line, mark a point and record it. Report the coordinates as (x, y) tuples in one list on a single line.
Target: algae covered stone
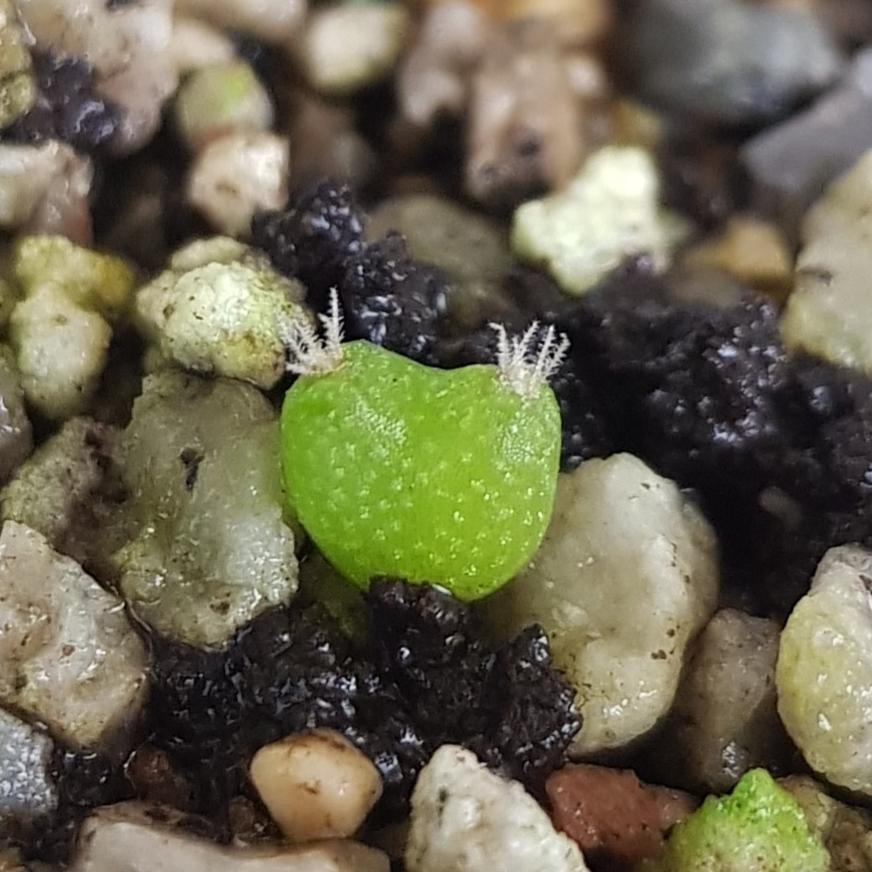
[(609, 212)]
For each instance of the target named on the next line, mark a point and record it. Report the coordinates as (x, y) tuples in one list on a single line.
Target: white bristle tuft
[(308, 353), (523, 367)]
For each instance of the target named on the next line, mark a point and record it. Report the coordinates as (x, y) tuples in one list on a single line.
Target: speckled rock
[(222, 318), (823, 670), (17, 89), (138, 837), (209, 548), (58, 491), (467, 819), (728, 61), (625, 578), (69, 656), (27, 792), (845, 831), (16, 438), (724, 721)]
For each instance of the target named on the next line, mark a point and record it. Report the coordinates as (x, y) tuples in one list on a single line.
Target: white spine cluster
[(309, 353), (526, 362)]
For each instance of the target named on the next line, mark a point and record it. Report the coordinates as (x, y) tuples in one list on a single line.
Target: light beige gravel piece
[(609, 212), (845, 831), (137, 837), (219, 99), (236, 175), (751, 249), (70, 657), (45, 189), (222, 318), (625, 578), (57, 491), (274, 21), (17, 88), (434, 76), (61, 330), (350, 46), (207, 549), (61, 350), (198, 44), (316, 785)]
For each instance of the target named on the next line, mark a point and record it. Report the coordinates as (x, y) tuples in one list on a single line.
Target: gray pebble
[(792, 163), (727, 61)]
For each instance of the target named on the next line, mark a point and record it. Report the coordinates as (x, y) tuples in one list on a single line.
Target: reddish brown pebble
[(613, 816), (154, 778)]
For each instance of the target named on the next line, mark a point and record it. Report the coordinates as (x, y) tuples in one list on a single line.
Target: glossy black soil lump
[(392, 300), (314, 236), (67, 107), (698, 385), (430, 679), (776, 446)]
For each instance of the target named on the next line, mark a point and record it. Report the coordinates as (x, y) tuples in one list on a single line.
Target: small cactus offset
[(396, 468)]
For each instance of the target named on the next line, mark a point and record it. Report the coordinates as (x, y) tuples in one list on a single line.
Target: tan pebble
[(633, 123), (316, 785), (804, 5), (753, 251), (578, 22)]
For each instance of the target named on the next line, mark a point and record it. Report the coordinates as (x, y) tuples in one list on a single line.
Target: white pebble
[(467, 819), (238, 174)]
